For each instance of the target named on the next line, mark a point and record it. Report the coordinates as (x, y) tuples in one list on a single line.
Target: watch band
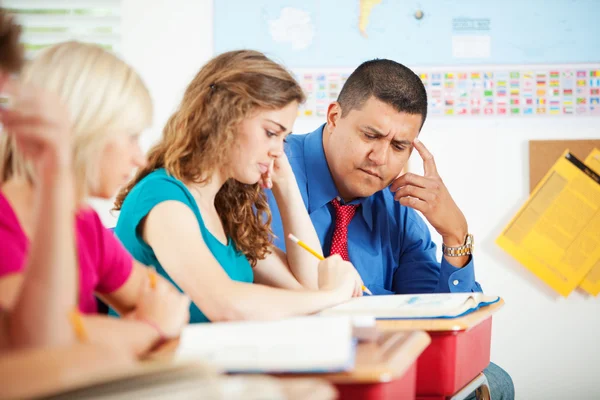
[(459, 251)]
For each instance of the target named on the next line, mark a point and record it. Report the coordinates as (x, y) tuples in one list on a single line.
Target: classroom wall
[(166, 43), (548, 344)]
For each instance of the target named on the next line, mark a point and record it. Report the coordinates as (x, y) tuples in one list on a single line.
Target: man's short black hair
[(387, 81)]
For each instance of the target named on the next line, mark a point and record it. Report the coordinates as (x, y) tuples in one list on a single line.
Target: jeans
[(500, 382)]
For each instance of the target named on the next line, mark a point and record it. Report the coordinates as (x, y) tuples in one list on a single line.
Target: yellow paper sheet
[(591, 282), (556, 234)]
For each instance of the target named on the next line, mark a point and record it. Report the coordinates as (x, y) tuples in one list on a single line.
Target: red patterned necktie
[(343, 216)]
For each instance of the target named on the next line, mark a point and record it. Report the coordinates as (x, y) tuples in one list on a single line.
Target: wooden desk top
[(441, 324), (307, 388), (382, 361)]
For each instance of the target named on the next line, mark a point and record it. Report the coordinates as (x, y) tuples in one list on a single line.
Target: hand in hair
[(429, 195), (39, 123)]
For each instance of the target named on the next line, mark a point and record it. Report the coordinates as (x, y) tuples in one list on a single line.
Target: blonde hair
[(104, 96), (199, 135)]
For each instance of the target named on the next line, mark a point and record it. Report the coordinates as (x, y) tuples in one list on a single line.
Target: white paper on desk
[(308, 344), (443, 305)]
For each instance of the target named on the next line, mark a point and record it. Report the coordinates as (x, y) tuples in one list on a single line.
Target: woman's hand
[(338, 276), (164, 307), (279, 173), (40, 125)]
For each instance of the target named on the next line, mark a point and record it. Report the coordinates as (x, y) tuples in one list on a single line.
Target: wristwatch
[(464, 250)]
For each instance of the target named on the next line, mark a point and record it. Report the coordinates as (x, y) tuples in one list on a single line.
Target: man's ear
[(334, 113)]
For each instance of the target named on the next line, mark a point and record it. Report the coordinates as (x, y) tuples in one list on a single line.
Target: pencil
[(320, 257), (77, 324), (305, 246), (152, 276)]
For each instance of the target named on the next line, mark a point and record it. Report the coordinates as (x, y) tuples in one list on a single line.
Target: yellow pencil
[(320, 257), (77, 324), (152, 276)]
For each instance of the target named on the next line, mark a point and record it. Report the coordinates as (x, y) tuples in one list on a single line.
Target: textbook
[(411, 306), (296, 345)]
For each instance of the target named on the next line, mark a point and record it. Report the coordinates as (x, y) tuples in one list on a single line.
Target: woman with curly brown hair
[(198, 213)]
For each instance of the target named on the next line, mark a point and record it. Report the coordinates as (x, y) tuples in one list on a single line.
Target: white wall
[(167, 41), (548, 344)]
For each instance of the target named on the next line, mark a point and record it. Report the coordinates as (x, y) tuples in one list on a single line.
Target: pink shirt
[(104, 264)]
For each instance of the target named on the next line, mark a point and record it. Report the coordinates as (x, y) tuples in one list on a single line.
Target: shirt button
[(455, 282)]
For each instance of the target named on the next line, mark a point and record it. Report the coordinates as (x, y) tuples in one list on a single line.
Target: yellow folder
[(591, 282), (556, 234)]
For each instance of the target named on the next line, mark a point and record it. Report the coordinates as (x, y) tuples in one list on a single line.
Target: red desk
[(385, 369), (459, 350)]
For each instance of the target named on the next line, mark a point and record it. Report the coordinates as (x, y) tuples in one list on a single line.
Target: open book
[(309, 344), (444, 305)]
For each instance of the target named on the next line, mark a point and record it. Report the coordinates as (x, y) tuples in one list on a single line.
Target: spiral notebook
[(422, 306), (296, 345)]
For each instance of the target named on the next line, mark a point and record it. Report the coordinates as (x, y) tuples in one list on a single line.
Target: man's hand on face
[(429, 195)]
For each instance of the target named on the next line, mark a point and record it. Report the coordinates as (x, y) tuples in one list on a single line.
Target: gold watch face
[(470, 242)]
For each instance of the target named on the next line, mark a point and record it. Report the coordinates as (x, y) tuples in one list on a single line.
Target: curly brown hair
[(224, 92)]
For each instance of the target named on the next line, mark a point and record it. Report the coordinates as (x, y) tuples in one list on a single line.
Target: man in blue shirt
[(349, 172)]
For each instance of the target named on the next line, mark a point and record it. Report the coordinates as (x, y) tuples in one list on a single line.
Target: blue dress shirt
[(389, 244)]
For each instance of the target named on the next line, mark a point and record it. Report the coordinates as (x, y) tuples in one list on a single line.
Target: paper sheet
[(305, 344), (591, 282), (556, 234)]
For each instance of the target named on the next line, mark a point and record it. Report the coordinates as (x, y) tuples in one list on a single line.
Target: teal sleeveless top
[(153, 189)]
